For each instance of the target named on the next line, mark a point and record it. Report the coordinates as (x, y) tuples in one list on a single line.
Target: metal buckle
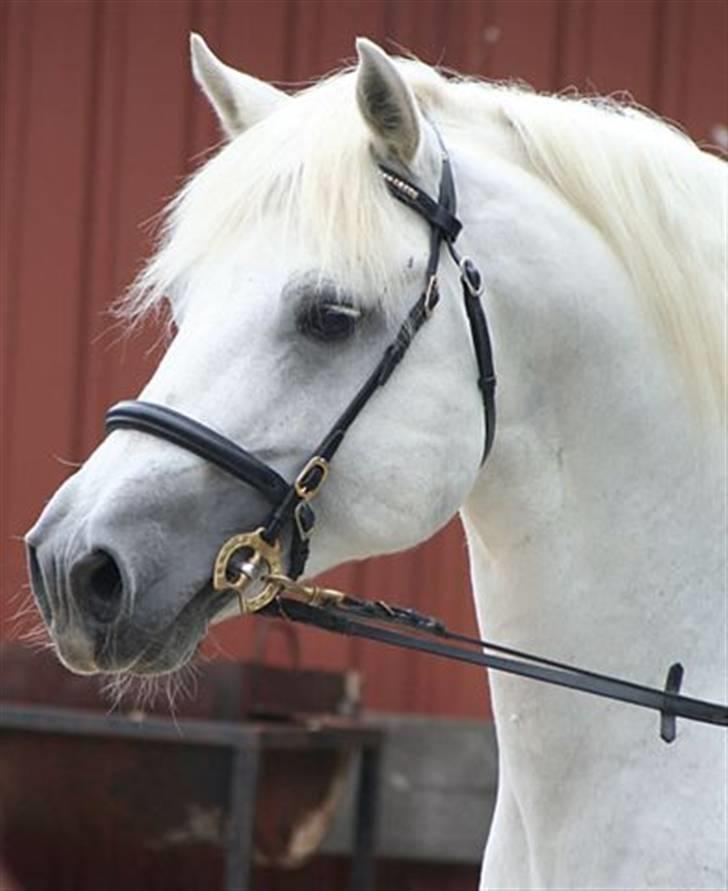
[(264, 561), (432, 295), (310, 593), (471, 277), (304, 491), (304, 532)]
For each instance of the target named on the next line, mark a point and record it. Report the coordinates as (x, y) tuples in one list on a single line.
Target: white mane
[(657, 199)]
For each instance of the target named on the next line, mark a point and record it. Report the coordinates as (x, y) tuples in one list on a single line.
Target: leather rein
[(250, 560)]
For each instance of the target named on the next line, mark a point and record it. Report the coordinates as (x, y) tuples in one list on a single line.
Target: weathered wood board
[(438, 790)]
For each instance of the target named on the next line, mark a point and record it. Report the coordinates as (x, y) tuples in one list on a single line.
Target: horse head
[(289, 269)]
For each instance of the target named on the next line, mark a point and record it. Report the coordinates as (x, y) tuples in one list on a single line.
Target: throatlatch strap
[(486, 370), (444, 226)]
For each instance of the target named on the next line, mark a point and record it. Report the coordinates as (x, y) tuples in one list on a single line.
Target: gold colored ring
[(262, 551), (302, 490)]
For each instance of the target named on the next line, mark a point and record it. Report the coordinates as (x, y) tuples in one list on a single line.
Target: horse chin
[(166, 662), (171, 649), (170, 652), (124, 651)]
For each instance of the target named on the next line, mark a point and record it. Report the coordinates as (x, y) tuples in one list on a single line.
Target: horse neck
[(625, 587), (620, 570), (603, 499), (603, 540), (596, 530)]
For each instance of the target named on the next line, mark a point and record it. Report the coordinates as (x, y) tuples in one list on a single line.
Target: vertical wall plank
[(523, 36), (339, 24), (420, 27), (470, 35), (623, 47), (15, 36), (575, 42), (15, 33), (208, 20), (671, 74), (706, 72), (101, 344), (258, 37), (40, 411)]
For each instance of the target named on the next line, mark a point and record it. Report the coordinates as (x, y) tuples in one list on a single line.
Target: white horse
[(596, 528)]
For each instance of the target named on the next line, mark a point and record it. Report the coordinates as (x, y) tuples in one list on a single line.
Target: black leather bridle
[(254, 557), (291, 501)]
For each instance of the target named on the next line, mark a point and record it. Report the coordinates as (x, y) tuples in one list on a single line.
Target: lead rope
[(334, 611)]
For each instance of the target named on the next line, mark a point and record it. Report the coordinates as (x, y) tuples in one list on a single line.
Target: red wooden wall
[(100, 120)]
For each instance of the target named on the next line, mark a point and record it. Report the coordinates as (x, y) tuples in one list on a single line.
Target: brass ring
[(316, 463), (262, 551)]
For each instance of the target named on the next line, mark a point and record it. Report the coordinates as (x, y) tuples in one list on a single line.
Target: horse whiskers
[(142, 693), (37, 639), (17, 624), (67, 462), (41, 646), (23, 611), (114, 688), (26, 605), (38, 634)]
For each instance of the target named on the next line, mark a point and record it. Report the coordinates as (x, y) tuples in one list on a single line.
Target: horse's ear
[(238, 99), (386, 101)]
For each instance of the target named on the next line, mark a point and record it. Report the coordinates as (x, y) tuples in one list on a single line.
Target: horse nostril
[(97, 586)]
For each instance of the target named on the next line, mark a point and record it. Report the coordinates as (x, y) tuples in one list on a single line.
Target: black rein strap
[(364, 618)]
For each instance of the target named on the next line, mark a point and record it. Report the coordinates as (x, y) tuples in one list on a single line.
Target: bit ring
[(262, 552)]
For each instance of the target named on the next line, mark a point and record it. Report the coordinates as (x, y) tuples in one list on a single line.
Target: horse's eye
[(328, 321)]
